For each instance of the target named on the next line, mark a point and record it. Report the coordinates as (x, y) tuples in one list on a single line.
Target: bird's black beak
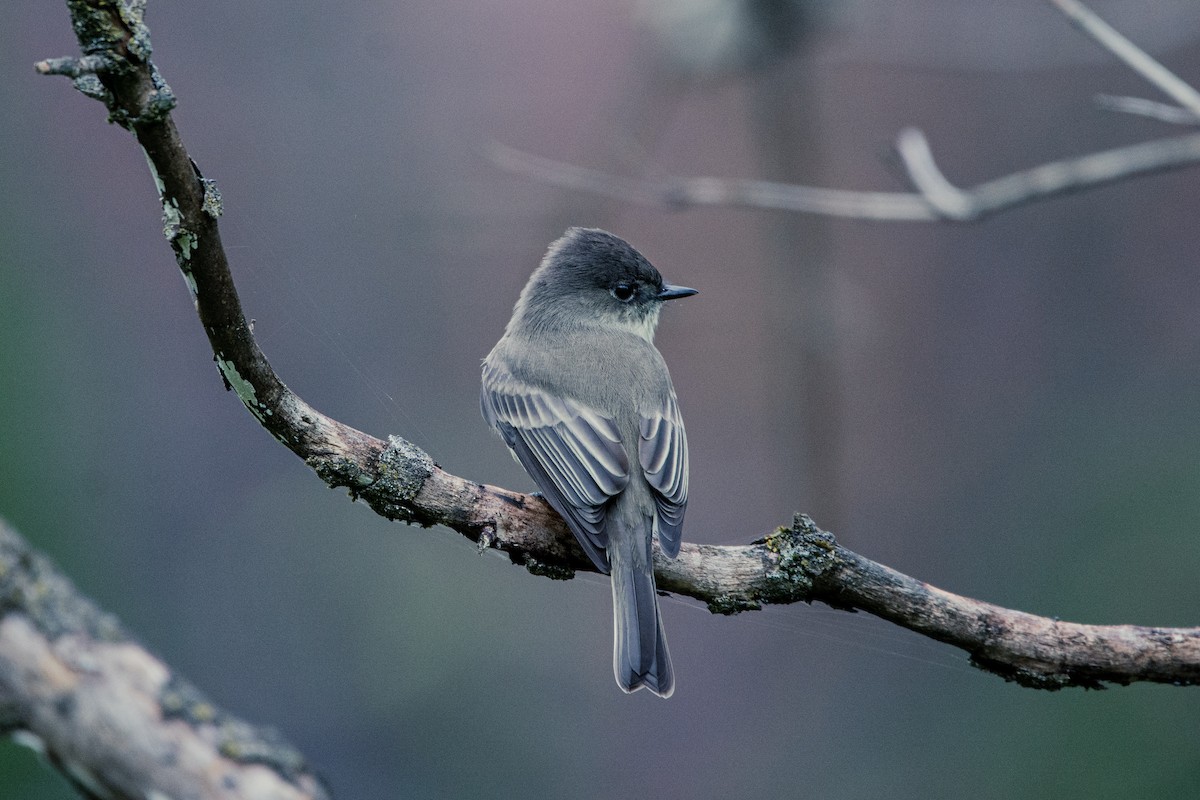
[(670, 292)]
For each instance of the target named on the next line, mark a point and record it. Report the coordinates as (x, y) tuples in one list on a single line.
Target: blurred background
[(1008, 410)]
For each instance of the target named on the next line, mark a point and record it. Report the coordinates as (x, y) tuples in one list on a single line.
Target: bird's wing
[(572, 452), (662, 452)]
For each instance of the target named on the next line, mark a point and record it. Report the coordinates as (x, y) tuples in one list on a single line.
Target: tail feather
[(640, 656)]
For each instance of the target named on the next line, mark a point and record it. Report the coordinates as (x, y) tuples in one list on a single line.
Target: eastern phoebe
[(584, 402)]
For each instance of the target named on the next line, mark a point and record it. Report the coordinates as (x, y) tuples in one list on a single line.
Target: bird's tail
[(640, 656)]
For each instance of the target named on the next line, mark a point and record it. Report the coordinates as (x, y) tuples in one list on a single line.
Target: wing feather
[(572, 452), (663, 456)]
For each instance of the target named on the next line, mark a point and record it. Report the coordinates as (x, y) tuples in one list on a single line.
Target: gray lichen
[(403, 470), (99, 31), (800, 554), (116, 44), (91, 86), (236, 740), (728, 605), (555, 572), (212, 198)]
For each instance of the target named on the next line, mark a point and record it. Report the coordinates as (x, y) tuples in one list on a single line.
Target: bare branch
[(947, 200), (115, 720), (799, 563), (72, 67), (1134, 57), (936, 198), (1163, 112), (683, 193), (1047, 180)]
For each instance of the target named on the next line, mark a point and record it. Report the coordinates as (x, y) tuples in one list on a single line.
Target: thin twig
[(70, 66), (1047, 180), (1153, 109), (681, 193), (936, 199), (1134, 57)]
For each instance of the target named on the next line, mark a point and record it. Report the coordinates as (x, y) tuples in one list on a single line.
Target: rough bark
[(112, 717)]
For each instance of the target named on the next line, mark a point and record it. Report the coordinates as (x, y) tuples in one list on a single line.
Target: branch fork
[(935, 197)]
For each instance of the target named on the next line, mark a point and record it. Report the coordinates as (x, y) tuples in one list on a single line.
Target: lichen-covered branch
[(114, 719), (401, 482)]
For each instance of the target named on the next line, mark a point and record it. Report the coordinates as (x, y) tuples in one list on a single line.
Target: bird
[(583, 399)]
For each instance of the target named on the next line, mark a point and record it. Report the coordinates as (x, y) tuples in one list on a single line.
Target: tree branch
[(1134, 57), (115, 720), (681, 193), (1152, 109), (1047, 180), (936, 198), (401, 482)]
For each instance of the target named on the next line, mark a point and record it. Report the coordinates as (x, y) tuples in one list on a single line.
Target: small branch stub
[(73, 67)]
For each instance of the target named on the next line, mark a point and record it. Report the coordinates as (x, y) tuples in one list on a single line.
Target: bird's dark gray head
[(590, 277)]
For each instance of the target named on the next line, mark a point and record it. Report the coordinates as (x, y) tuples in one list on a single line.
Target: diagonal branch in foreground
[(401, 482), (113, 718)]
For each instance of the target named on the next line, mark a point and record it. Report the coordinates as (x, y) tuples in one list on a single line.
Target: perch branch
[(114, 719), (401, 482)]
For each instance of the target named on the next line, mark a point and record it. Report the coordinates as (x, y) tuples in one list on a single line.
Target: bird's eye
[(623, 292)]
